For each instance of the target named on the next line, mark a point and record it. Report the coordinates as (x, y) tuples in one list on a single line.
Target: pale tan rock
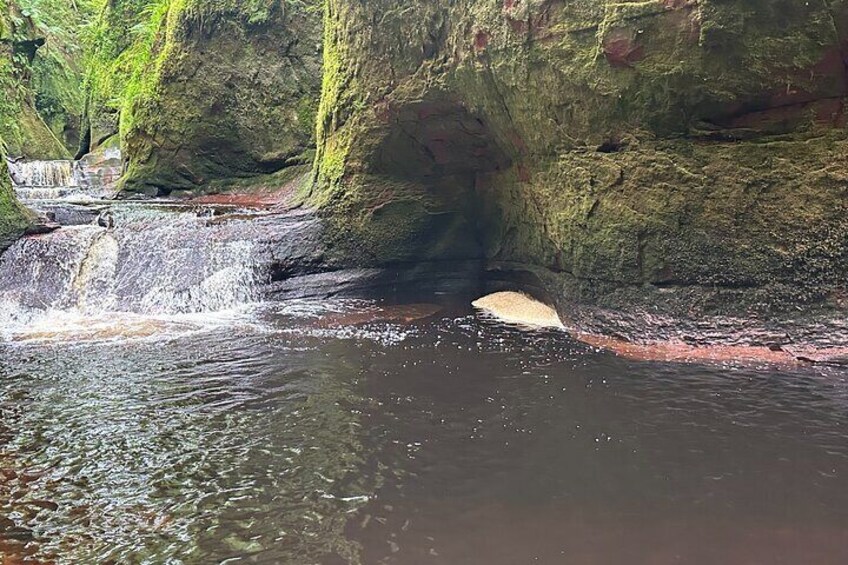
[(518, 308)]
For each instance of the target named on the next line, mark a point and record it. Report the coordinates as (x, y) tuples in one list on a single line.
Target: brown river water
[(306, 432), (155, 409)]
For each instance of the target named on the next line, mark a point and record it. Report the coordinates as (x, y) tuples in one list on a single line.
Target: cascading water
[(44, 174), (118, 269), (153, 266), (92, 177)]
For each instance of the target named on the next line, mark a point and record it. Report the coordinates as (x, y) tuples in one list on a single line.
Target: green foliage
[(41, 73), (13, 217), (155, 68), (120, 44), (9, 107)]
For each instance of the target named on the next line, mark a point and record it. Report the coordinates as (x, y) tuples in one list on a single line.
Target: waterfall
[(153, 262), (93, 177), (44, 174)]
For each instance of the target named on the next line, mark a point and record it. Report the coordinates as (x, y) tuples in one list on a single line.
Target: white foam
[(44, 327), (64, 180), (154, 273)]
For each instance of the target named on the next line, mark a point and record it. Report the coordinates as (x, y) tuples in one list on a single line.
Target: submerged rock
[(396, 313)]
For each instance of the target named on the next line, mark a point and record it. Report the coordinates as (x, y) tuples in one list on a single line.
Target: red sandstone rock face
[(677, 352), (685, 5), (533, 17), (816, 93), (481, 40), (622, 50), (631, 33)]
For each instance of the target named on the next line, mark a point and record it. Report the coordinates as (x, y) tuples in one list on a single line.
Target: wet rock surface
[(95, 176), (287, 254), (667, 171), (686, 157)]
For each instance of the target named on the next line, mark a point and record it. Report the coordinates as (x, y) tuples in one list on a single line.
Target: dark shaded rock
[(42, 226), (71, 214), (106, 220), (400, 283)]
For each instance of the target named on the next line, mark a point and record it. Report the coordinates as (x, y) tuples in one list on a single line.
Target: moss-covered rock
[(118, 49), (220, 90), (41, 76), (640, 144), (14, 219)]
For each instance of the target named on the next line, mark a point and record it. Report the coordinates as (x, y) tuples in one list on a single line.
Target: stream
[(157, 405)]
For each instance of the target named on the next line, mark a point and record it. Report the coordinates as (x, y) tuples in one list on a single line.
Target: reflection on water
[(307, 434), (183, 450)]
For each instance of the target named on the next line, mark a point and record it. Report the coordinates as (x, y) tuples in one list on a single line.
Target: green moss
[(40, 76), (14, 219), (634, 144), (672, 213), (339, 97), (307, 113), (121, 64), (282, 185), (187, 115)]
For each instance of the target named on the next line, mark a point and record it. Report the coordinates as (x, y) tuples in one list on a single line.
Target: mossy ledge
[(688, 154)]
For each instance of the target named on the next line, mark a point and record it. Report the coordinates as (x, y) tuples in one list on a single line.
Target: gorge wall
[(629, 148), (13, 218), (41, 70), (20, 124), (41, 91), (210, 91), (689, 153)]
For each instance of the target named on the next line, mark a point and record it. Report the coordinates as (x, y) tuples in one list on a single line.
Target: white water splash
[(45, 174), (155, 272), (308, 313), (93, 177)]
